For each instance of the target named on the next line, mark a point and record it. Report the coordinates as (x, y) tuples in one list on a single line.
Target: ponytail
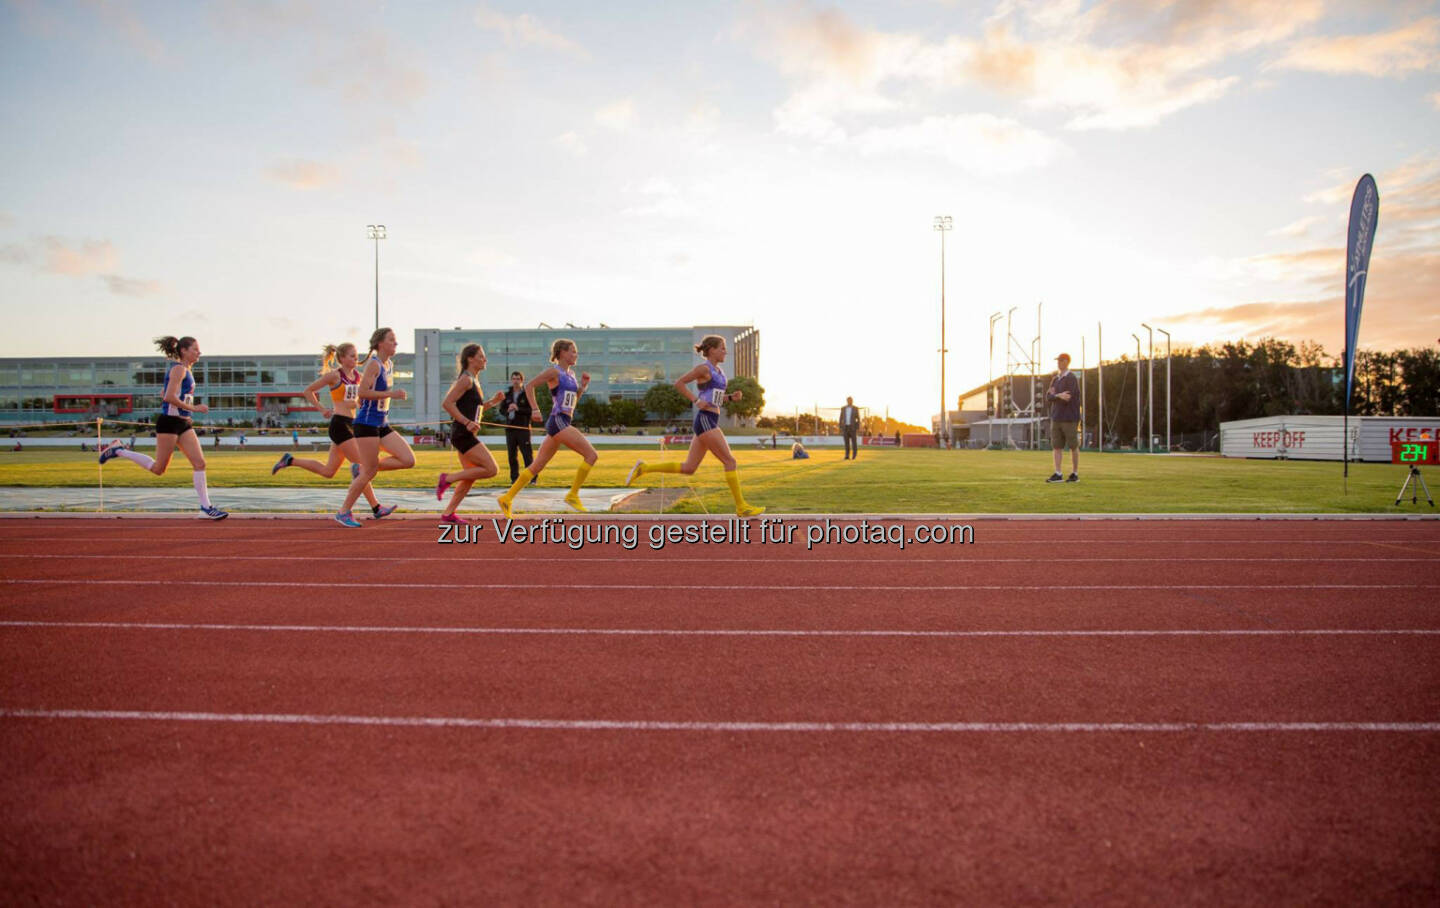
[(331, 355), (172, 346), (463, 359), (376, 337)]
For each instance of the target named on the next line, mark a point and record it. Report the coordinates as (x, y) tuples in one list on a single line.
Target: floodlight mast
[(1150, 391), (376, 232), (1167, 388), (993, 398), (943, 225), (1139, 423)]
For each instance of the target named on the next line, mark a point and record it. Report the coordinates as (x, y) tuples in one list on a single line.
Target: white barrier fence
[(1322, 437)]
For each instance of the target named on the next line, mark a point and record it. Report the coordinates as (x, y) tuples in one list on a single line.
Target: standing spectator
[(1064, 398), (295, 439), (849, 425), (515, 411)]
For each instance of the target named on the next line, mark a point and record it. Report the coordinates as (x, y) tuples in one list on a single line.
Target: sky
[(209, 169)]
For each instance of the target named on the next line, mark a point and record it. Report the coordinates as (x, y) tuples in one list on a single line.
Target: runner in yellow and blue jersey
[(173, 427), (565, 391), (711, 383)]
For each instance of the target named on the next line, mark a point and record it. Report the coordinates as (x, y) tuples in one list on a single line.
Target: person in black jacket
[(515, 411), (1064, 398)]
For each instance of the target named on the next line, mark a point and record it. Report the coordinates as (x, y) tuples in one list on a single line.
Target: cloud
[(571, 142), (663, 199), (365, 69), (1118, 64), (1435, 100), (1296, 228), (980, 143), (1404, 281), (129, 286), (525, 30), (302, 174), (1410, 48), (119, 17), (618, 115), (84, 258)]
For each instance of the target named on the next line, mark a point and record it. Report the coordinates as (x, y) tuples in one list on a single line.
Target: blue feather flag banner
[(1364, 213)]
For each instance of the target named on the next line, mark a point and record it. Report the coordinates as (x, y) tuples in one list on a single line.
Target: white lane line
[(651, 725), (748, 587), (721, 632), (571, 557)]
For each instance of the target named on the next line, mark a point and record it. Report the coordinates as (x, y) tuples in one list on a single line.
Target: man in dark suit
[(850, 426), (515, 411)]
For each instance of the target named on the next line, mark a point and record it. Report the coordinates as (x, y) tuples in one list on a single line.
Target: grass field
[(880, 481)]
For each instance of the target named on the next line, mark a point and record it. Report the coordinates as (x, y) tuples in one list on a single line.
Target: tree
[(543, 400), (592, 412), (627, 412), (665, 401), (752, 397)]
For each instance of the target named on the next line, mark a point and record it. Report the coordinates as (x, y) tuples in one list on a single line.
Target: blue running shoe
[(214, 513), (354, 471), (285, 460), (383, 510), (345, 520), (110, 451)]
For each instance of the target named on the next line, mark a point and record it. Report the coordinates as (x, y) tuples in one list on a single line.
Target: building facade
[(623, 362), (237, 389)]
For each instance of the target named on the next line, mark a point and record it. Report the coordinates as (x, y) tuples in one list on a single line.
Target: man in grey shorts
[(1064, 398)]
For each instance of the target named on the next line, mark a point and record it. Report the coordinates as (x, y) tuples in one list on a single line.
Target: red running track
[(1240, 712)]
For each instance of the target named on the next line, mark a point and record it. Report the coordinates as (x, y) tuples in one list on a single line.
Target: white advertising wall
[(1322, 437)]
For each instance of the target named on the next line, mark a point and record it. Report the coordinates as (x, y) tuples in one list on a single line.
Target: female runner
[(710, 381), (173, 426), (338, 373), (371, 431), (565, 392), (464, 405)]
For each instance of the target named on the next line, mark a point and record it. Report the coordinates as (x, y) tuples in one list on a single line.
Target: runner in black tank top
[(465, 406)]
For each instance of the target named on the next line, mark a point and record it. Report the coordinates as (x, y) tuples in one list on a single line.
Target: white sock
[(201, 490), (143, 460)]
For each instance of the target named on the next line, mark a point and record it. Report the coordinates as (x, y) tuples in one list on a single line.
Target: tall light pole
[(990, 391), (1100, 377), (1139, 423), (1150, 391), (943, 225), (1167, 388), (376, 232)]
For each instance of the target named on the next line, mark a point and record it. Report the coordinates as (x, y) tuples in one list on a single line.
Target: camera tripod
[(1415, 477)]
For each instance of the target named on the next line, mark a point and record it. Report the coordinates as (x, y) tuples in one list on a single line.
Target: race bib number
[(384, 405), (567, 400), (717, 397), (352, 393), (189, 401)]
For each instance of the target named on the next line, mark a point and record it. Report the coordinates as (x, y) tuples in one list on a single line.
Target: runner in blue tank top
[(465, 406), (565, 391), (339, 373), (371, 430), (173, 427), (711, 383)]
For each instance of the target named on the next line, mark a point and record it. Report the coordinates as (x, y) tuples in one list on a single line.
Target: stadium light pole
[(1150, 391), (1139, 423), (943, 225), (1167, 388), (376, 232), (990, 389), (1100, 379)]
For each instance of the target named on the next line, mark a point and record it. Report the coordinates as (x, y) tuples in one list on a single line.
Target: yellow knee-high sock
[(732, 477), (580, 475), (667, 466), (523, 480)]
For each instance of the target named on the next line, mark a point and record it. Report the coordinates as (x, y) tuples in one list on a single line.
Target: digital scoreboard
[(1415, 453)]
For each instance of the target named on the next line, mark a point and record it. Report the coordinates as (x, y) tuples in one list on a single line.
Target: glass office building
[(623, 362), (249, 389)]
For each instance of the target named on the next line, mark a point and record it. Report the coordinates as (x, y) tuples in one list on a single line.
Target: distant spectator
[(849, 427)]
